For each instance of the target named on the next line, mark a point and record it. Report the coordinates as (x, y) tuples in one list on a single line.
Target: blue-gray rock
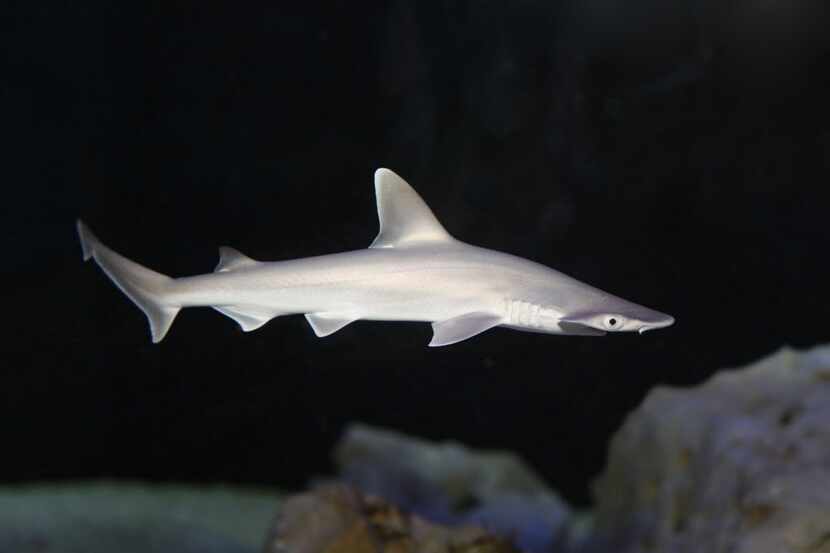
[(111, 517), (739, 464), (452, 484)]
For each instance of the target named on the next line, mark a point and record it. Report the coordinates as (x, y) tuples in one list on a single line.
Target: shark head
[(617, 315)]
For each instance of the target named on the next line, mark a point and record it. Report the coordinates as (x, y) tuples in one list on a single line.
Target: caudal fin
[(145, 287)]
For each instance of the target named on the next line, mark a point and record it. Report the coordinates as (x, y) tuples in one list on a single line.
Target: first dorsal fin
[(404, 217), (230, 259)]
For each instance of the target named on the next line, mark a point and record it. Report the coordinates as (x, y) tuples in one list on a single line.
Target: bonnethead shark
[(413, 271)]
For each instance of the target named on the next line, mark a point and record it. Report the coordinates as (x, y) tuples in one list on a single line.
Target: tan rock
[(339, 519)]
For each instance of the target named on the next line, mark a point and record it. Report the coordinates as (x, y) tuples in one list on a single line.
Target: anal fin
[(462, 327), (325, 324), (249, 318)]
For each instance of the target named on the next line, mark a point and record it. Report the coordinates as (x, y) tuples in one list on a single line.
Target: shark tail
[(145, 287)]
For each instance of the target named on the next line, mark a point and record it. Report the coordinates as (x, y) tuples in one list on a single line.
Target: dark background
[(673, 153)]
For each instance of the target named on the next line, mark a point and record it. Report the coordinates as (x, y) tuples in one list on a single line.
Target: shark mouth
[(579, 329)]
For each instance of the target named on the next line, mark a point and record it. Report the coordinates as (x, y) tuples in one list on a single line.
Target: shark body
[(413, 271)]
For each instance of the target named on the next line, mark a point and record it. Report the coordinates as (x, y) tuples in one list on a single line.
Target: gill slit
[(523, 313)]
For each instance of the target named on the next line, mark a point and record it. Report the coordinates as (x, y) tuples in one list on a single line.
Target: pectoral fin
[(324, 324), (462, 327)]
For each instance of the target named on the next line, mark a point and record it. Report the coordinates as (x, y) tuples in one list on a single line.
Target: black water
[(676, 156)]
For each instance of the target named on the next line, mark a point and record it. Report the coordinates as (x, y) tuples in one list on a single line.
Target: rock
[(110, 517), (340, 519), (451, 484), (739, 464)]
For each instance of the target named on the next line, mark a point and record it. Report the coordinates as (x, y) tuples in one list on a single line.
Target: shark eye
[(613, 322)]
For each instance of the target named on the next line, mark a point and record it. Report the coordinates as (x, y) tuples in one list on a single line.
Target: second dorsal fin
[(230, 259), (404, 217)]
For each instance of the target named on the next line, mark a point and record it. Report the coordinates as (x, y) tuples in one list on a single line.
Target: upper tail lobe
[(145, 287)]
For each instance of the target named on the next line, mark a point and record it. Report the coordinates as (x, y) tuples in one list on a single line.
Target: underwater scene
[(416, 277)]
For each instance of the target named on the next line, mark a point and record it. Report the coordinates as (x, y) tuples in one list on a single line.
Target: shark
[(414, 270)]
